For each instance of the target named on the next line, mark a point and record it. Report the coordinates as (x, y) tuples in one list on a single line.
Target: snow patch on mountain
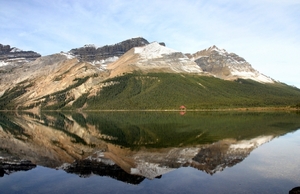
[(3, 63), (109, 60), (14, 61), (150, 170), (153, 57), (252, 143), (153, 50), (228, 66), (15, 49), (256, 76), (218, 50), (191, 69), (102, 64), (68, 55)]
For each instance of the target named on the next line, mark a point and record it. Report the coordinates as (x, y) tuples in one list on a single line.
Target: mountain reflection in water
[(132, 146)]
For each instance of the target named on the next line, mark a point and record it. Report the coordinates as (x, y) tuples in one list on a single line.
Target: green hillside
[(169, 91), (160, 91)]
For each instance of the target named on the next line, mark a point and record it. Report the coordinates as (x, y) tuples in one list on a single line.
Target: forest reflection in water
[(134, 146)]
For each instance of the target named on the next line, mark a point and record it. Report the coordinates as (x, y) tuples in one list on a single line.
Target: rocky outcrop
[(228, 66), (12, 54), (91, 53), (4, 49)]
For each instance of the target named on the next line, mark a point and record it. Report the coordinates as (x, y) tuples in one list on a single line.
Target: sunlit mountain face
[(136, 75), (132, 146)]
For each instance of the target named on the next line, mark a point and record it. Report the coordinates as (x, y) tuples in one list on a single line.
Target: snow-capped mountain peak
[(153, 50), (227, 66), (218, 50), (153, 57)]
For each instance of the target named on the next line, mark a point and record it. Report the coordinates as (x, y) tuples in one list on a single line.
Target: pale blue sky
[(264, 32)]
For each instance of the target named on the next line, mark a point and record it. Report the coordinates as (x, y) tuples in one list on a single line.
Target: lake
[(149, 152)]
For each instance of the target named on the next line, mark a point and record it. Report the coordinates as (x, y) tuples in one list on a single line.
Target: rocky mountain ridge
[(57, 81), (92, 53), (226, 65), (13, 55), (212, 61)]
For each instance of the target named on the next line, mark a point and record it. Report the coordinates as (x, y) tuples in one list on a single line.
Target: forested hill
[(169, 91)]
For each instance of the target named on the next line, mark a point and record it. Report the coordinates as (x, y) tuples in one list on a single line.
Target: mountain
[(153, 58), (228, 66), (12, 55), (55, 77), (107, 53), (136, 74)]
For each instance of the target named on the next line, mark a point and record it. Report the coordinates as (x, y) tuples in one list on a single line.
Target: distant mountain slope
[(12, 55), (227, 66)]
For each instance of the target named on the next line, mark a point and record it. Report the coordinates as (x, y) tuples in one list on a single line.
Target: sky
[(264, 32)]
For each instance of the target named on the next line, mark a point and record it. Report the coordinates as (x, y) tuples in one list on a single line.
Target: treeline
[(7, 100), (60, 99)]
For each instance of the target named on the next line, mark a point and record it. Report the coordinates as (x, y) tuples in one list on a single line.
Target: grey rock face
[(4, 49), (219, 62), (226, 65), (9, 54), (90, 53)]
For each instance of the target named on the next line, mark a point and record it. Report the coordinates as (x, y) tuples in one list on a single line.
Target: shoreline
[(242, 109)]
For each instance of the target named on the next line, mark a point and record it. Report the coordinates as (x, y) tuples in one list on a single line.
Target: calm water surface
[(149, 152)]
